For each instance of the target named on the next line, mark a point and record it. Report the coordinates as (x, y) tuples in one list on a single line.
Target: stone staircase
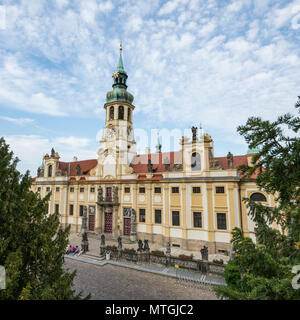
[(92, 256)]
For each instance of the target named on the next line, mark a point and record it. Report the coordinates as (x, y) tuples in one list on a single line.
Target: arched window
[(50, 171), (195, 161), (257, 196), (121, 113), (111, 113), (128, 114)]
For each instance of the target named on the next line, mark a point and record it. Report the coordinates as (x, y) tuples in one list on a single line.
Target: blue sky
[(189, 62)]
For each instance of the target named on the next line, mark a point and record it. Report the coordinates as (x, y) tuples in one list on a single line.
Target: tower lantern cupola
[(119, 92)]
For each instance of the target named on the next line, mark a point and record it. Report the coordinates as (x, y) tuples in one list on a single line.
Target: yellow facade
[(188, 205)]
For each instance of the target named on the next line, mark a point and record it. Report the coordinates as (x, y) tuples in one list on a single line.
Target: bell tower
[(117, 146)]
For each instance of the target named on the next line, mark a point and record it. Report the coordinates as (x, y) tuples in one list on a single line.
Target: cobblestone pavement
[(116, 283), (94, 248)]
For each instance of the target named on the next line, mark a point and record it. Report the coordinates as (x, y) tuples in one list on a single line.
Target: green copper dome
[(119, 92)]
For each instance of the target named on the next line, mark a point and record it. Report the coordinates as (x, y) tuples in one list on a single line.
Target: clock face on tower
[(110, 133)]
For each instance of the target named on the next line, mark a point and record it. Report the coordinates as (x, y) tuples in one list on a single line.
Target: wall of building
[(186, 235)]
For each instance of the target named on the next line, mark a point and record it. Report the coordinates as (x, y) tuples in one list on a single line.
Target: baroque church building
[(187, 197)]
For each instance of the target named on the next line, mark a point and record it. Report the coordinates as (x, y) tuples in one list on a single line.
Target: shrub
[(158, 252), (232, 274), (129, 250), (185, 257)]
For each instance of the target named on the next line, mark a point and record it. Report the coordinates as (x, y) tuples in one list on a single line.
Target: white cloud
[(30, 149), (187, 61), (235, 6), (62, 3), (134, 24), (106, 6), (286, 15), (17, 121), (207, 29)]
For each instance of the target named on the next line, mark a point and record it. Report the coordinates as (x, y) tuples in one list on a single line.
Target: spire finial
[(121, 48)]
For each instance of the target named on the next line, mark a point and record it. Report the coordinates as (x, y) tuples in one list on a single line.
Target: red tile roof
[(85, 165), (140, 161), (237, 161)]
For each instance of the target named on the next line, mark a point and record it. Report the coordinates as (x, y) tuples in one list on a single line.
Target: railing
[(107, 200), (165, 260)]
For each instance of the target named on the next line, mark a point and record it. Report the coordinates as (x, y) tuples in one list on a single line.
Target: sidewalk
[(94, 248), (169, 272)]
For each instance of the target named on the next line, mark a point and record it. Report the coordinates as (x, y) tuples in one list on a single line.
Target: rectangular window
[(39, 189), (175, 218), (80, 211), (48, 189), (56, 208), (158, 216), (221, 221), (81, 189), (175, 189), (127, 189), (92, 210), (92, 189), (71, 189), (71, 209), (197, 220), (126, 212), (142, 214), (196, 190), (157, 190), (220, 190), (57, 189), (142, 190)]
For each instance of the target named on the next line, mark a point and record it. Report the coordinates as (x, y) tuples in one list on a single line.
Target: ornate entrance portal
[(108, 205), (108, 222)]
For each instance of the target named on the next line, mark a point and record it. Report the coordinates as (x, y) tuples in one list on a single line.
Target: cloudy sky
[(188, 62)]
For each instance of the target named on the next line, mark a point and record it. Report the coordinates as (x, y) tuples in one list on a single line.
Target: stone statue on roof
[(230, 160)]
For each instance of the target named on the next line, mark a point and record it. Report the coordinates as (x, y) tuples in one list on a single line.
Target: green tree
[(31, 242), (263, 270)]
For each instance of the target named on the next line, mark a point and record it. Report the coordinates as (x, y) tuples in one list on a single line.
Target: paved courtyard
[(116, 283)]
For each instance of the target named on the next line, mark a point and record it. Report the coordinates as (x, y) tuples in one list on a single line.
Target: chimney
[(147, 150), (75, 159)]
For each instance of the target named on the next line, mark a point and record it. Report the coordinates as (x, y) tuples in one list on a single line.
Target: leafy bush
[(185, 257)]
